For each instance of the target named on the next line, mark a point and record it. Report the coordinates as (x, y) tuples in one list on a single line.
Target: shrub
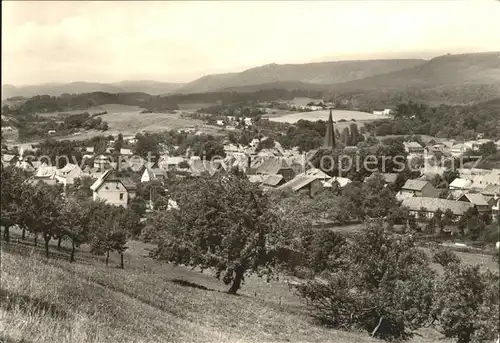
[(383, 285)]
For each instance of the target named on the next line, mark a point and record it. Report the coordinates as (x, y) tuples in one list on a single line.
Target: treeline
[(375, 280), (45, 212), (459, 122)]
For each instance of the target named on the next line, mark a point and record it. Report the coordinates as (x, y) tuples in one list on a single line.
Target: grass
[(55, 301), (128, 120)]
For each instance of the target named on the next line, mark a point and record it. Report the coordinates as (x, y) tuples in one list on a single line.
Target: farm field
[(128, 120), (148, 301), (323, 115)]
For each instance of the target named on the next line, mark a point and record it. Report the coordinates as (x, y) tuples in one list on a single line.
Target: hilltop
[(56, 89), (447, 70), (322, 73)]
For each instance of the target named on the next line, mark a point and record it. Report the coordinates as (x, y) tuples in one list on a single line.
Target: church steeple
[(330, 133)]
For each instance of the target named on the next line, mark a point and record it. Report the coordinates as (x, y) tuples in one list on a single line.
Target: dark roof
[(272, 180), (298, 182), (272, 166), (433, 204), (415, 185)]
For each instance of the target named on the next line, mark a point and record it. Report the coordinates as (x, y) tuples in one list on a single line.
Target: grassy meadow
[(55, 301)]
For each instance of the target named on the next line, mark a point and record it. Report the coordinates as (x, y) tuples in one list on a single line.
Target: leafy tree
[(12, 199), (43, 213), (324, 250), (367, 290), (118, 143), (224, 222), (450, 174), (77, 220), (466, 304), (444, 257), (110, 234)]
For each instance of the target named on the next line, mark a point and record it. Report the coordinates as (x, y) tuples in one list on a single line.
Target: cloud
[(178, 41)]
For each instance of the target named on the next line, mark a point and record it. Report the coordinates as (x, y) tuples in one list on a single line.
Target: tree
[(450, 174), (324, 250), (466, 304), (43, 213), (377, 271), (12, 199), (224, 222), (110, 234), (118, 143), (77, 219)]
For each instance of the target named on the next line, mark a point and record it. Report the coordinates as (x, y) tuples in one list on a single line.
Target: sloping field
[(55, 301), (323, 115), (128, 120)]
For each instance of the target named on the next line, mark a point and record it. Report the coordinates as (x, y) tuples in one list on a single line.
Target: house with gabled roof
[(68, 174), (114, 189), (419, 188), (429, 206), (273, 181), (478, 200), (276, 166), (303, 184), (151, 174)]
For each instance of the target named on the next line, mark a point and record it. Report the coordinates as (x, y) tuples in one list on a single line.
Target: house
[(67, 174), (275, 166), (491, 190), (170, 162), (273, 181), (481, 181), (342, 181), (478, 200), (151, 174), (45, 170), (102, 162), (9, 159), (304, 184), (25, 165), (388, 177), (220, 122), (113, 189), (126, 152), (460, 184), (197, 167), (317, 173), (89, 149), (413, 148), (420, 188), (458, 150), (256, 178), (429, 206)]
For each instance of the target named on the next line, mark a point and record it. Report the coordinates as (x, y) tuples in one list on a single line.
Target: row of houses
[(446, 147)]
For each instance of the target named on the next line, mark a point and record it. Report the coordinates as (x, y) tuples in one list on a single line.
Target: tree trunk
[(121, 261), (238, 277), (59, 243), (36, 239), (72, 257), (107, 257), (46, 238), (6, 234), (23, 237)]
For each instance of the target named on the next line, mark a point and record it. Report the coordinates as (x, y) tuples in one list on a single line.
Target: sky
[(44, 41)]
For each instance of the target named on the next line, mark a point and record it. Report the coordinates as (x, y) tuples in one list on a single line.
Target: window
[(121, 196)]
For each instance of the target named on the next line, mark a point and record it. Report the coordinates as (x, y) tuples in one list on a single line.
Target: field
[(128, 120), (323, 115), (55, 301)]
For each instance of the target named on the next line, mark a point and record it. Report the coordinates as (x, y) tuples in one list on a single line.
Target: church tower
[(330, 134)]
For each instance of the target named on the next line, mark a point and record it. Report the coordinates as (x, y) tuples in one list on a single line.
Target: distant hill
[(447, 70), (55, 89), (323, 73)]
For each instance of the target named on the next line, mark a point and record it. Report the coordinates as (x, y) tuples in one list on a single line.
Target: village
[(274, 168)]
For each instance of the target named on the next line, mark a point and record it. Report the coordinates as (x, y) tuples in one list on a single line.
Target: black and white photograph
[(250, 171)]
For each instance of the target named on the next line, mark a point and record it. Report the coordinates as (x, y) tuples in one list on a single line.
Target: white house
[(113, 189), (68, 174)]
